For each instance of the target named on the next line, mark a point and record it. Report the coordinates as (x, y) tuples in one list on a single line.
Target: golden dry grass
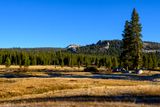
[(78, 104), (32, 87), (45, 91), (35, 88), (50, 67)]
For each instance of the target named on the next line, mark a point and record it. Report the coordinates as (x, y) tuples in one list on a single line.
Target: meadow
[(49, 86)]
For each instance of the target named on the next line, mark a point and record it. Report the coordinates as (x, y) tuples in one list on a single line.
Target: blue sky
[(58, 23)]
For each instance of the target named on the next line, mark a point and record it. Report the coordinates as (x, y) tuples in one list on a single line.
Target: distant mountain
[(111, 47), (40, 49), (102, 47), (73, 47), (151, 46)]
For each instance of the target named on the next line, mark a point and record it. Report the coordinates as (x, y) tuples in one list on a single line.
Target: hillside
[(112, 47), (109, 47), (102, 47)]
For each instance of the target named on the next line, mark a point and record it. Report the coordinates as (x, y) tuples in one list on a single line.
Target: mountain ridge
[(113, 47), (103, 47)]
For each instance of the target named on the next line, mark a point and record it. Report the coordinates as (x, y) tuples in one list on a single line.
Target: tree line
[(50, 57), (151, 60), (59, 58)]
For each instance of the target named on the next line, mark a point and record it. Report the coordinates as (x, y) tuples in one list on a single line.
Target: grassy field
[(49, 67), (64, 88)]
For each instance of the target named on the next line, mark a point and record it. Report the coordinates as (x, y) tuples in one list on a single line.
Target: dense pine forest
[(27, 57), (51, 57)]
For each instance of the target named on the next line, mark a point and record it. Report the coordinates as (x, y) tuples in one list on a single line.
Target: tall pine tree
[(137, 41), (131, 56), (126, 57)]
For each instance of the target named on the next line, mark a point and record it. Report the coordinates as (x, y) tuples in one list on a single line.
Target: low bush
[(91, 69)]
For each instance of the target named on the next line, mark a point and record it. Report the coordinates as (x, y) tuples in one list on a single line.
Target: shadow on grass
[(84, 98), (19, 75), (60, 74), (109, 76)]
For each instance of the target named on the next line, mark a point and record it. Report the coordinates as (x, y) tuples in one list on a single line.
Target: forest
[(25, 57)]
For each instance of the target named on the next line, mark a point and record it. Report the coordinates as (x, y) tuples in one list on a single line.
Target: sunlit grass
[(38, 86)]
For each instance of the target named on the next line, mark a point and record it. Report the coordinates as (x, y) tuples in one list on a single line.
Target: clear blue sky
[(58, 23)]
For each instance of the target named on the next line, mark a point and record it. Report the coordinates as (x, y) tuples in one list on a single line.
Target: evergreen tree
[(79, 61), (86, 62), (126, 57), (115, 62), (0, 60), (109, 63), (71, 61), (8, 62), (33, 61), (96, 62), (131, 56), (137, 42), (150, 62), (145, 61), (26, 62), (101, 62), (154, 61), (62, 62)]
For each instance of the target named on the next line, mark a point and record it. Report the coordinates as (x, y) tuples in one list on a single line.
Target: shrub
[(91, 69)]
